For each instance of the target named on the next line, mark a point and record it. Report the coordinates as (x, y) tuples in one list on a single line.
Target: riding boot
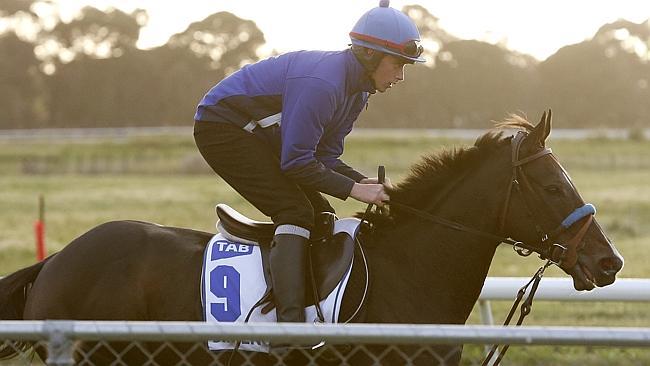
[(288, 261)]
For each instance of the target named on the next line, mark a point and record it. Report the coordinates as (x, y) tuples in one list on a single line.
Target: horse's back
[(122, 270)]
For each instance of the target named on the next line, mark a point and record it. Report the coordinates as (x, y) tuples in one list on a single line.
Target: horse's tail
[(13, 294)]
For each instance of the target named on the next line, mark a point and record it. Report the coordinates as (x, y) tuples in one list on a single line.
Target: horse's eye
[(553, 189)]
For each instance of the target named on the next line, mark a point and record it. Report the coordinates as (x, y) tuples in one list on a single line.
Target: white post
[(486, 312), (487, 319)]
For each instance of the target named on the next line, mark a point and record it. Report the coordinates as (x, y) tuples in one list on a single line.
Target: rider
[(274, 131)]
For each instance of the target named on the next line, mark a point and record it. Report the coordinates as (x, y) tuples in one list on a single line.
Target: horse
[(421, 271)]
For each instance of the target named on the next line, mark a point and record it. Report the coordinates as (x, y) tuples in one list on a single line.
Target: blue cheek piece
[(579, 213)]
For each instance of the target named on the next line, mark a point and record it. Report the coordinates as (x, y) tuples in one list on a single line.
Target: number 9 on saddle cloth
[(236, 285)]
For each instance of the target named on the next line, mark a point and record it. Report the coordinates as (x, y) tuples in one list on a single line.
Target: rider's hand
[(375, 180), (369, 193)]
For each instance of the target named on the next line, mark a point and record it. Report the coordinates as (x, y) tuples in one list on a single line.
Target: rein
[(526, 307)]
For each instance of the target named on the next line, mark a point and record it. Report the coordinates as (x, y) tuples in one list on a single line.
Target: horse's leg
[(99, 353), (141, 353), (405, 354)]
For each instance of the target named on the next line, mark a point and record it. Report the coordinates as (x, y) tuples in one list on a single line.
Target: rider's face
[(389, 71)]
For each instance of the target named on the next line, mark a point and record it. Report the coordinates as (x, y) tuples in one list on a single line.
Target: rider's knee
[(301, 215)]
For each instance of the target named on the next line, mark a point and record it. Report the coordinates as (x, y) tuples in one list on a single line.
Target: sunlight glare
[(537, 28)]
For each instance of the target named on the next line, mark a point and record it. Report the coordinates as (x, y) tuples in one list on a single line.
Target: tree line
[(89, 73)]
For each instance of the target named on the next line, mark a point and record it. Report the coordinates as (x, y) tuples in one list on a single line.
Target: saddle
[(330, 251)]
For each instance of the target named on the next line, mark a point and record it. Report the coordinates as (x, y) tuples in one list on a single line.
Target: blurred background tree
[(88, 72), (603, 81)]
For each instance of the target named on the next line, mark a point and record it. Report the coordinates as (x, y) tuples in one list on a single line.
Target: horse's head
[(545, 210)]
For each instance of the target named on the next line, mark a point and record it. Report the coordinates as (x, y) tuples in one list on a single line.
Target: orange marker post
[(39, 229)]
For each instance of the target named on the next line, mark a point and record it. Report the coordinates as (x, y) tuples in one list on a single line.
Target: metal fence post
[(59, 345), (487, 319), (486, 312)]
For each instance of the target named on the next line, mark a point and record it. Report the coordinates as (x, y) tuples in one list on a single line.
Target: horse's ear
[(540, 133)]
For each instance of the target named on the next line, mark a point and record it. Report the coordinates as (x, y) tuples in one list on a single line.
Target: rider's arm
[(308, 105), (330, 148), (328, 152)]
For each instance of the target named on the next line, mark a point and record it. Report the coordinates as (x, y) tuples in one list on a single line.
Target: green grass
[(164, 180)]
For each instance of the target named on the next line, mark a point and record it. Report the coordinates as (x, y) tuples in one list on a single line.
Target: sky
[(538, 28)]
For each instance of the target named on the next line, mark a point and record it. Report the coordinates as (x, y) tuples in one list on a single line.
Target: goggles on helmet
[(411, 48)]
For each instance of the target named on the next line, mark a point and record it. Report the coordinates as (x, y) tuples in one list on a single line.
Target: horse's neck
[(426, 273)]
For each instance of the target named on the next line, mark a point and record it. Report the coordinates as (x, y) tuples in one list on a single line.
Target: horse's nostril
[(611, 265)]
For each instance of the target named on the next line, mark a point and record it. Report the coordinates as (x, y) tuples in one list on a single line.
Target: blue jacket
[(319, 95)]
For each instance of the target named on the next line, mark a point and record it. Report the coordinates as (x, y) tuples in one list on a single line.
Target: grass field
[(164, 180)]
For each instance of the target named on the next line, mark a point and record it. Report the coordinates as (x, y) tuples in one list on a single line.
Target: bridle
[(565, 256)]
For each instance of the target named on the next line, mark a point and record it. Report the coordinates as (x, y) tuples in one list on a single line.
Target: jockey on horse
[(274, 131)]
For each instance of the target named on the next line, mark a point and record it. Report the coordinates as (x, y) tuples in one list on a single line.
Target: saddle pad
[(233, 282)]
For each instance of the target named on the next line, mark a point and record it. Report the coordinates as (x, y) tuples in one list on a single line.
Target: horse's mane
[(434, 171)]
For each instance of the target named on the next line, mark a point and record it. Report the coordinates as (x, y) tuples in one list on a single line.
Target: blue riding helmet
[(390, 31)]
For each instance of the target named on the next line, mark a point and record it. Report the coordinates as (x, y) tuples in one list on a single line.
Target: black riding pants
[(249, 165)]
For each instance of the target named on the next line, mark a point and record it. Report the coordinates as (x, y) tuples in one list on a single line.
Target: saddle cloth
[(233, 281)]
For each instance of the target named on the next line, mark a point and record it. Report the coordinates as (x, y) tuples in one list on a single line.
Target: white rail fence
[(126, 132), (331, 333), (560, 289), (61, 336)]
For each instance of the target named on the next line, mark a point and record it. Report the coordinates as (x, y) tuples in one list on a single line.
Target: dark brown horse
[(421, 271)]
